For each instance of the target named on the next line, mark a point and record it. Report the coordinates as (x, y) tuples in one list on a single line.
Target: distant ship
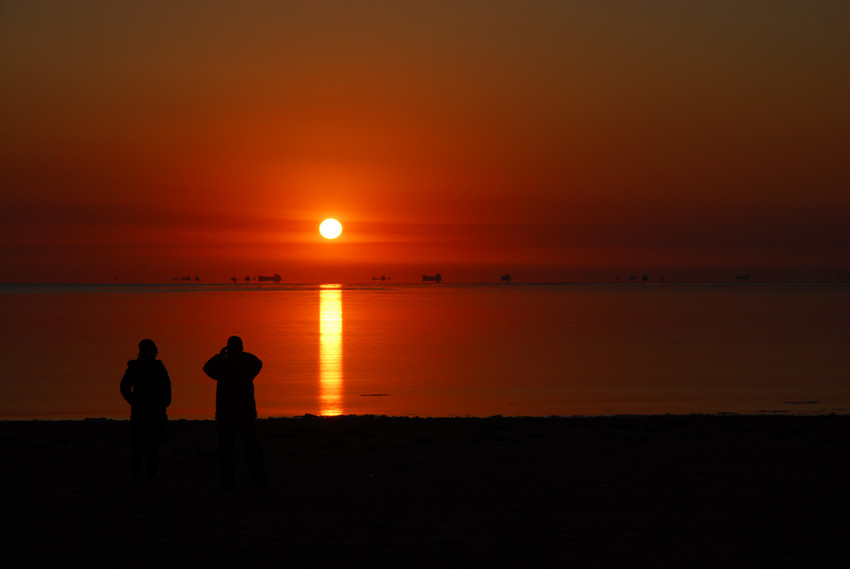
[(506, 277), (429, 278), (276, 278)]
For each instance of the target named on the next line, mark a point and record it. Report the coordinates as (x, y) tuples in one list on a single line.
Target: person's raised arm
[(213, 367)]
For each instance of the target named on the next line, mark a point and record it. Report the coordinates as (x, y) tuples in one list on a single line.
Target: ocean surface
[(434, 350)]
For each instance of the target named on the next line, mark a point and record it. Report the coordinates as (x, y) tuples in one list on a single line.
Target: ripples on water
[(437, 350)]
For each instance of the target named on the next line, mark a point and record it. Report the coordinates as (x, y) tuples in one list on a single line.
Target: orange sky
[(556, 141)]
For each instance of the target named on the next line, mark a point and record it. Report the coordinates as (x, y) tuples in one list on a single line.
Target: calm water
[(438, 350)]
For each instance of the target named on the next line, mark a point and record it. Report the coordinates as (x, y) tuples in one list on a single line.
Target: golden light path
[(330, 350)]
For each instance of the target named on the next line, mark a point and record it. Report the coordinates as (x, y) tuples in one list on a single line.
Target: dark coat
[(234, 394), (147, 388)]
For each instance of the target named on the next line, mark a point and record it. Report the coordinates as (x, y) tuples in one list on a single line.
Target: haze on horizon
[(551, 140)]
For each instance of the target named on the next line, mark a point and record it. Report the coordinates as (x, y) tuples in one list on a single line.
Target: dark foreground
[(668, 491)]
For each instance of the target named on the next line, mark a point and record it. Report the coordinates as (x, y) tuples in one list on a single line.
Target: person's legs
[(226, 434), (248, 431), (152, 460), (138, 458), (138, 440)]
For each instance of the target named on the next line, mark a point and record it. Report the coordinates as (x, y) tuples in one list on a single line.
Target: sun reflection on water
[(330, 350)]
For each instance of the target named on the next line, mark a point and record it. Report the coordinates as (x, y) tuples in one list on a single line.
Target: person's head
[(147, 349), (234, 344)]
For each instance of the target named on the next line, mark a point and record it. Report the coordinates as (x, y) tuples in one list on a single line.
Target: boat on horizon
[(275, 278)]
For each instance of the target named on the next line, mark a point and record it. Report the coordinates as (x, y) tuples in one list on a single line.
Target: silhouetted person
[(235, 408), (147, 388)]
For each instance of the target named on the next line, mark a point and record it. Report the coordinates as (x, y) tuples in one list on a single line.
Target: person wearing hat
[(234, 371), (147, 388)]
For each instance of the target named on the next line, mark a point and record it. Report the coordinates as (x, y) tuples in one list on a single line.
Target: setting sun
[(330, 229)]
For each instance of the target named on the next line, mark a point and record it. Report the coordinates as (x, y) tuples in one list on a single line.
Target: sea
[(436, 350)]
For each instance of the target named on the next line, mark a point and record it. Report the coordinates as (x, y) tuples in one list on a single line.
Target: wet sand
[(660, 491)]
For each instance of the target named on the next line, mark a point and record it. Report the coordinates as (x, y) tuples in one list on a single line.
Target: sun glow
[(330, 229)]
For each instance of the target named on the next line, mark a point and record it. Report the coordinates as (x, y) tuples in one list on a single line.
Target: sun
[(330, 229)]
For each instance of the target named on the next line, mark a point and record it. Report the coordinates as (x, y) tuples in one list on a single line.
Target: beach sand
[(655, 491)]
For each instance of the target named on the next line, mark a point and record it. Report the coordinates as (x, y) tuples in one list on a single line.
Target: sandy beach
[(651, 491)]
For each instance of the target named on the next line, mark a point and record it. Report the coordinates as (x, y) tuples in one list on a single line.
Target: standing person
[(236, 409), (147, 388)]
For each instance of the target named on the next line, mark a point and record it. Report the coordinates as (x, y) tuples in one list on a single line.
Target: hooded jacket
[(234, 395), (146, 387)]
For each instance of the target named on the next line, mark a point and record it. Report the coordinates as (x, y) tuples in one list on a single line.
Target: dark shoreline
[(652, 491)]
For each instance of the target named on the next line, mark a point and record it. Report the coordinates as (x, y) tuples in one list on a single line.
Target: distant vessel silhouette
[(506, 277), (276, 278), (429, 278)]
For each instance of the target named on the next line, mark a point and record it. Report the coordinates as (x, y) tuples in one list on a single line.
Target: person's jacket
[(146, 387), (234, 394)]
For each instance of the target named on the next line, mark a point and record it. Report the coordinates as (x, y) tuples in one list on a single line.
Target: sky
[(558, 141)]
